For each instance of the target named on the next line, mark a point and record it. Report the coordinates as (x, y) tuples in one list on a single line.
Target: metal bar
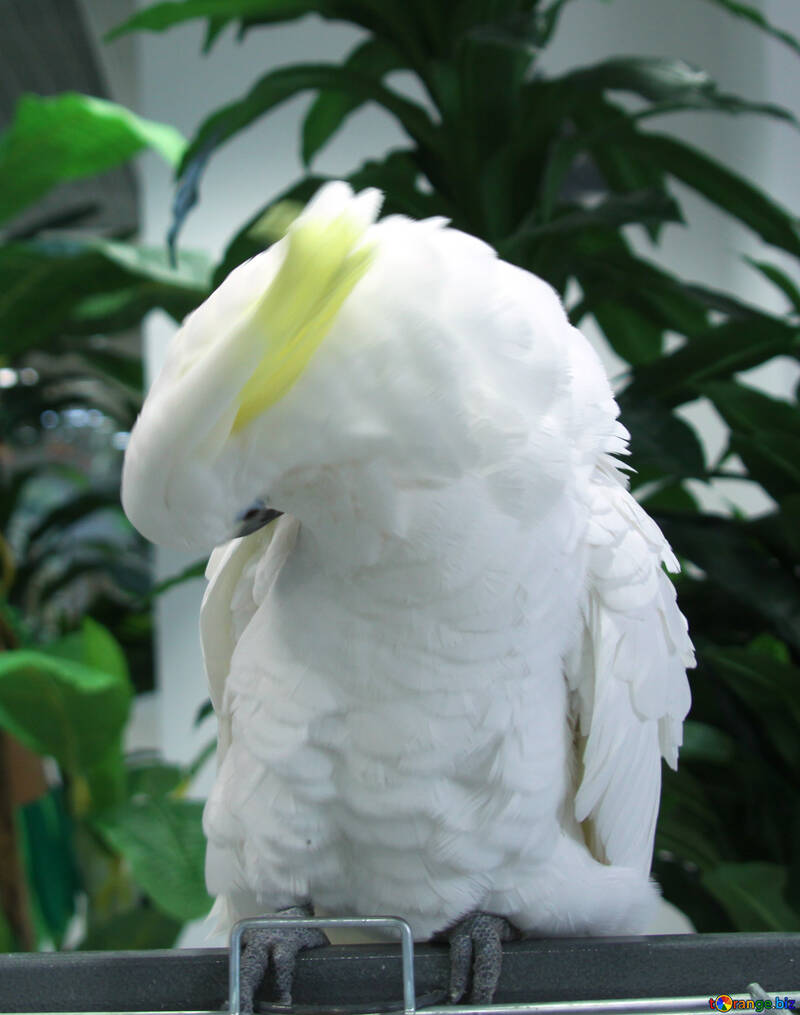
[(548, 971), (390, 923), (641, 1006)]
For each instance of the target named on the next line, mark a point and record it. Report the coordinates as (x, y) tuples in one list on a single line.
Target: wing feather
[(238, 573), (627, 675)]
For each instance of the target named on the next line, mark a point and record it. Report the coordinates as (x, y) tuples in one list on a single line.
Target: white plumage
[(446, 677)]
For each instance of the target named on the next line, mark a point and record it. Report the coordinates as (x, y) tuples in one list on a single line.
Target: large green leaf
[(768, 685), (765, 434), (631, 335), (722, 351), (161, 16), (374, 57), (749, 410), (71, 700), (69, 136), (702, 742), (269, 92), (282, 84), (47, 288), (162, 840), (726, 551), (393, 19), (719, 185), (662, 444), (607, 272), (668, 84), (753, 896)]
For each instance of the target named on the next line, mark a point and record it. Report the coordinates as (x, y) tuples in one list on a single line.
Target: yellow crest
[(322, 265)]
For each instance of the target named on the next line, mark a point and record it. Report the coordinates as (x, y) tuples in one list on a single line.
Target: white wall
[(176, 84)]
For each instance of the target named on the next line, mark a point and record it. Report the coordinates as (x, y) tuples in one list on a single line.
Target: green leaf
[(70, 701), (153, 778), (203, 712), (779, 278), (602, 128), (720, 186), (671, 497), (141, 929), (779, 530), (117, 366), (279, 85), (397, 175), (726, 551), (753, 896), (662, 443), (73, 511), (162, 840), (481, 103), (759, 679), (93, 646), (702, 742), (608, 273), (50, 861), (686, 824), (269, 92), (749, 410), (630, 335), (374, 57), (683, 889), (162, 16), (667, 83), (45, 286), (641, 207), (765, 434), (755, 17), (70, 136), (722, 351)]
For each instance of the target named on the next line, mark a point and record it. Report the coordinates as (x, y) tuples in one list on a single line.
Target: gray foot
[(481, 935), (278, 947)]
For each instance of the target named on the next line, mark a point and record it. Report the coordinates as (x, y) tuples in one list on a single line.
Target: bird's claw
[(277, 947), (481, 935)]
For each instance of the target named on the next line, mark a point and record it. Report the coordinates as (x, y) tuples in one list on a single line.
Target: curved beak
[(254, 518)]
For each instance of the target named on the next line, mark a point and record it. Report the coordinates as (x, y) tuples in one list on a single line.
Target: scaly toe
[(481, 934)]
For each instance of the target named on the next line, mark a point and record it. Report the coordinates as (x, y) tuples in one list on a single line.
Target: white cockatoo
[(447, 666)]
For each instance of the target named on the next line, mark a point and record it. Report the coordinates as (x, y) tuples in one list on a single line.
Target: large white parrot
[(447, 673)]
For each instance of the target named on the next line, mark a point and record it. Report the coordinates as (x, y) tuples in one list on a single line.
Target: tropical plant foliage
[(553, 170), (116, 831)]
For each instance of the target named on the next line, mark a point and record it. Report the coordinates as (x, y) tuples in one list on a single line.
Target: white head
[(348, 361)]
